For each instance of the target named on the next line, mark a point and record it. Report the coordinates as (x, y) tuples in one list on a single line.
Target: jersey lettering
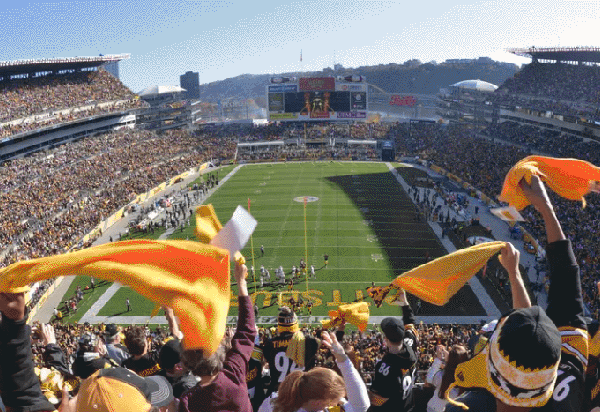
[(561, 391), (384, 369), (282, 364)]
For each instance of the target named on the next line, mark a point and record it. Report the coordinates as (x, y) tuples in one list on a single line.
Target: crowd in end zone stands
[(79, 94)]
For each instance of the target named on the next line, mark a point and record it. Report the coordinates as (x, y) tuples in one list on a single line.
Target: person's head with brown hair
[(313, 390), (199, 365), (136, 340), (457, 355)]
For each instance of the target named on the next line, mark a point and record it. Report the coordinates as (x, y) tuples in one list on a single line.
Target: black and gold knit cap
[(286, 317), (520, 363)]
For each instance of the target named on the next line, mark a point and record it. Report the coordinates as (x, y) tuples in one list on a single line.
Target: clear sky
[(221, 39)]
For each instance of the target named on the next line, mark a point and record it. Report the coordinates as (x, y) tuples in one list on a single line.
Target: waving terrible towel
[(437, 281), (190, 277), (356, 314), (569, 178)]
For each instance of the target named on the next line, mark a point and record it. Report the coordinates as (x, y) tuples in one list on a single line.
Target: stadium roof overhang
[(48, 65), (563, 54)]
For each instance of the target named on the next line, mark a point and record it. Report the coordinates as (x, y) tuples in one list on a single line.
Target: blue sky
[(221, 39)]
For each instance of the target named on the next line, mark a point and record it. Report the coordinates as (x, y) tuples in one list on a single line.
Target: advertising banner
[(397, 100), (316, 84), (350, 87), (352, 115), (278, 116), (283, 88)]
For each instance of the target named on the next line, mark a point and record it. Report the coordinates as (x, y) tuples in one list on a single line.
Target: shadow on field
[(403, 234)]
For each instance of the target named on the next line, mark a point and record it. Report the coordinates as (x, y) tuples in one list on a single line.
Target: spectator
[(143, 360), (395, 374), (222, 383), (275, 349), (91, 356), (522, 366), (443, 378), (320, 388), (114, 349)]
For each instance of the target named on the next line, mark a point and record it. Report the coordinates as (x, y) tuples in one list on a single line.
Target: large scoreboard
[(317, 99)]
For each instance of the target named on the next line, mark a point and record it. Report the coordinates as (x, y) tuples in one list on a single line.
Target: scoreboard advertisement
[(317, 99)]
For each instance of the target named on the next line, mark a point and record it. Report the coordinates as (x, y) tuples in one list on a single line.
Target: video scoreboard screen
[(320, 98)]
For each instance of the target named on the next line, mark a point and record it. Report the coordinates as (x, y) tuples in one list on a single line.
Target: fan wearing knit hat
[(534, 359), (290, 350), (395, 374)]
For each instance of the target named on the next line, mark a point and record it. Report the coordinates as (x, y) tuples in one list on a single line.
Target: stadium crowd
[(34, 96), (52, 199), (565, 82), (255, 369)]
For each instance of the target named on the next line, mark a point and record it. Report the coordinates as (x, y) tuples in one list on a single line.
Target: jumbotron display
[(317, 99)]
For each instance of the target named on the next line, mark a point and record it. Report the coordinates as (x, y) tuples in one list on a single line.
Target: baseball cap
[(520, 363), (170, 354), (119, 389), (111, 331), (393, 329)]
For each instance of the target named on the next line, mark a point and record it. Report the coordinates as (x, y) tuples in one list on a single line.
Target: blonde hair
[(300, 387)]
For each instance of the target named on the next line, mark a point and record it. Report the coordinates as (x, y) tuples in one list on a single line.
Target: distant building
[(112, 68), (190, 81)]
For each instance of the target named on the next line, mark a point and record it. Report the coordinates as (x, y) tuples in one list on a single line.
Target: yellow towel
[(190, 277), (356, 314), (569, 178), (296, 349), (437, 281)]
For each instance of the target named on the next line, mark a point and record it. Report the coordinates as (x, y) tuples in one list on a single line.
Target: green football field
[(357, 214)]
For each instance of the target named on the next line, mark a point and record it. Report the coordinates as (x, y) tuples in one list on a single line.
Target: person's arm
[(21, 389), (242, 344), (53, 355), (358, 396), (509, 259), (537, 196), (173, 326), (440, 357), (408, 316), (565, 301)]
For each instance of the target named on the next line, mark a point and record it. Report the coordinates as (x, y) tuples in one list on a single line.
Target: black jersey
[(565, 308), (394, 378), (279, 364)]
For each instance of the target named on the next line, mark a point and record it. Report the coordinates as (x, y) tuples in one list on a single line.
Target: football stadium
[(358, 194)]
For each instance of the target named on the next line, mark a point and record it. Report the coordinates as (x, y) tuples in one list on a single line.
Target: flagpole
[(252, 248), (305, 245)]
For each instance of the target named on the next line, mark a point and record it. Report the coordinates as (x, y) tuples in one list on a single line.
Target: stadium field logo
[(300, 199)]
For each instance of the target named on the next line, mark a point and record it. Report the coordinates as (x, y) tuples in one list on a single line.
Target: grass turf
[(361, 218)]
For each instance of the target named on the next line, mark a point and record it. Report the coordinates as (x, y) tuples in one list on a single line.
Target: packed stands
[(35, 103)]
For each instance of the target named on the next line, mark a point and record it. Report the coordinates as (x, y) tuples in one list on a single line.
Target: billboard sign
[(397, 100), (283, 88)]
